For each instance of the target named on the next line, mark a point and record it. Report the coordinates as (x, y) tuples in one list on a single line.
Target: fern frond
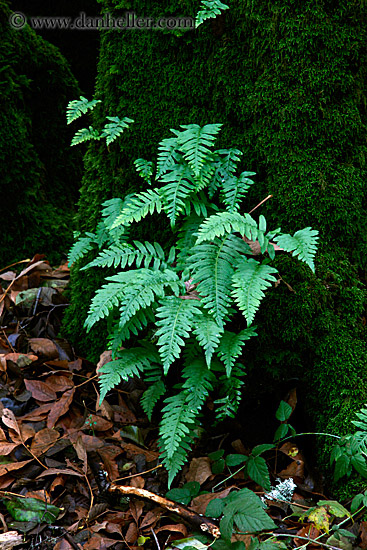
[(116, 255), (175, 320), (234, 190), (81, 247), (219, 224), (230, 346), (167, 156), (151, 396), (146, 285), (208, 334), (212, 267), (230, 387), (138, 322), (303, 244), (210, 9), (250, 280), (195, 141), (179, 184), (115, 128), (145, 169), (130, 362), (85, 134), (199, 382), (175, 433), (140, 205), (187, 238), (79, 107)]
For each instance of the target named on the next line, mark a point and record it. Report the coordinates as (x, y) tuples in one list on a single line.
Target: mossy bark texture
[(287, 79), (40, 175)]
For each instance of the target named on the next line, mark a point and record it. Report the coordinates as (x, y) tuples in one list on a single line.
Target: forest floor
[(76, 474)]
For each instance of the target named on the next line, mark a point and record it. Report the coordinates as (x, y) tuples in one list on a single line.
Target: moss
[(39, 180), (288, 80)]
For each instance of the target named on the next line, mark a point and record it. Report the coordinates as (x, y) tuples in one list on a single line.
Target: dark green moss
[(40, 174), (288, 80)]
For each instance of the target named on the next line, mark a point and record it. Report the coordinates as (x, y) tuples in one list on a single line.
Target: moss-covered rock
[(288, 80), (40, 174)]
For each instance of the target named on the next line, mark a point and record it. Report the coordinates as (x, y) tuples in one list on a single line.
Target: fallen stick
[(204, 524)]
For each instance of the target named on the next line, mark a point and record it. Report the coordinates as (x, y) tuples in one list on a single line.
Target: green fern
[(85, 134), (250, 280), (195, 141), (210, 9), (168, 155), (115, 127), (302, 244), (208, 334), (81, 247), (79, 107), (178, 421), (175, 320), (230, 388), (223, 223), (136, 324), (129, 363), (145, 169), (199, 382), (234, 190), (230, 347), (212, 270), (179, 185), (139, 206)]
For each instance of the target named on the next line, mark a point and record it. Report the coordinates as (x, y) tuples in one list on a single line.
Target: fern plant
[(172, 307)]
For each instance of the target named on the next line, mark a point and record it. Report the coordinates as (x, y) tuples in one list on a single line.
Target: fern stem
[(260, 203)]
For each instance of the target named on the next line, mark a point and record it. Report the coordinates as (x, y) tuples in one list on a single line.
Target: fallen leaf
[(108, 454), (8, 418), (363, 535), (96, 542), (60, 407), (105, 357), (151, 518), (59, 471), (175, 528), (40, 391), (199, 503), (44, 440), (138, 482), (311, 533), (97, 423), (10, 539), (199, 470), (44, 347), (6, 468)]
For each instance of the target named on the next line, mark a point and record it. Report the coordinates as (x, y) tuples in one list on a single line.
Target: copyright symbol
[(17, 20)]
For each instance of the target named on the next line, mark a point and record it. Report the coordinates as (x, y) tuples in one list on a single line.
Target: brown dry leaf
[(175, 528), (97, 423), (75, 365), (138, 482), (8, 276), (199, 504), (44, 440), (6, 447), (133, 450), (363, 535), (20, 359), (40, 391), (27, 432), (122, 413), (151, 519), (311, 533), (291, 398), (136, 509), (105, 409), (63, 544), (59, 481), (294, 469), (8, 418), (200, 470), (96, 542), (132, 533), (44, 347), (81, 453), (246, 539), (256, 248), (108, 454), (60, 407), (6, 480), (37, 414), (291, 450), (60, 383), (5, 468)]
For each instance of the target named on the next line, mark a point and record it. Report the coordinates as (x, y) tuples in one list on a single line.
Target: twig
[(91, 496), (141, 473), (7, 339), (260, 203), (155, 538), (204, 524), (15, 263)]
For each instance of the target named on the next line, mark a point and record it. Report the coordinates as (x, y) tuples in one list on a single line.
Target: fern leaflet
[(81, 247), (85, 134), (250, 280), (115, 128), (195, 141), (234, 190), (175, 433), (210, 9), (79, 107), (140, 205), (303, 244), (219, 224), (137, 322), (208, 334), (179, 185), (230, 347), (167, 156), (230, 387), (130, 362), (212, 265), (175, 319), (145, 169), (198, 383)]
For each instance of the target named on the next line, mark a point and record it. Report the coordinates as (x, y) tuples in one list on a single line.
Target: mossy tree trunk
[(288, 80), (40, 175)]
